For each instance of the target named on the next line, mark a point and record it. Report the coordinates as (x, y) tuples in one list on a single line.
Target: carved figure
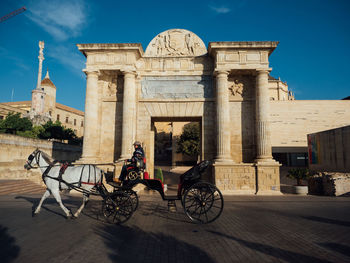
[(236, 88), (112, 89), (41, 45), (160, 45), (190, 44)]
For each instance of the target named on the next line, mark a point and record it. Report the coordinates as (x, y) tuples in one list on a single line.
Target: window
[(66, 119), (58, 117), (75, 122), (1, 117), (50, 113), (82, 124)]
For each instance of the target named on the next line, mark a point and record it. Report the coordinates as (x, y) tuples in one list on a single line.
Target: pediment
[(176, 43)]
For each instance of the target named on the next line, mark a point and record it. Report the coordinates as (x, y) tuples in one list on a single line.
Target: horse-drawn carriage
[(202, 201)]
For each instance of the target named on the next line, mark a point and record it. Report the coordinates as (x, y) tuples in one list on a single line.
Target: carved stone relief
[(176, 42), (241, 87), (108, 84)]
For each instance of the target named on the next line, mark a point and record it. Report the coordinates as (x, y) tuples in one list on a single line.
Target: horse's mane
[(48, 158)]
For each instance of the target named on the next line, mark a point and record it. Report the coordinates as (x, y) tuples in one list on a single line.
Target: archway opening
[(177, 143)]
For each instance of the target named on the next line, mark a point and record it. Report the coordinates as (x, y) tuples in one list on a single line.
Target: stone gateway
[(225, 88)]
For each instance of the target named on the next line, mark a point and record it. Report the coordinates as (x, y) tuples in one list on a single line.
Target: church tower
[(49, 89)]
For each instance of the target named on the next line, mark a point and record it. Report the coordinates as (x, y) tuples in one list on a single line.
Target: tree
[(189, 140), (56, 131), (14, 123)]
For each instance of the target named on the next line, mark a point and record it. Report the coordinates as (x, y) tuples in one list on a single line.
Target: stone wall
[(291, 121), (235, 179), (330, 150), (14, 151)]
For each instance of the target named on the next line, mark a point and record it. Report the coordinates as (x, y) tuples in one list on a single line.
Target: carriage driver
[(138, 155)]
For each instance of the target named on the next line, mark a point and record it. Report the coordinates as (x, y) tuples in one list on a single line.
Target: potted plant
[(159, 176), (299, 174)]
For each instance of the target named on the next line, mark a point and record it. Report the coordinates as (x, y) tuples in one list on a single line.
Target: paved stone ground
[(20, 187), (251, 229)]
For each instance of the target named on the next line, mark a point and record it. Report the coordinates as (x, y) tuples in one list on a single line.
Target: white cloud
[(69, 57), (61, 19), (221, 9)]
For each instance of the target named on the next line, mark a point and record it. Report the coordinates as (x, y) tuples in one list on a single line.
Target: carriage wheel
[(117, 208), (134, 199), (203, 203), (133, 175)]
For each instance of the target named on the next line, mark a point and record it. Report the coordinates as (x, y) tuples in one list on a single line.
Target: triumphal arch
[(224, 87)]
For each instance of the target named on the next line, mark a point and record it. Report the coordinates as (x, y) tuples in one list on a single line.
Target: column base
[(266, 161), (224, 160), (234, 179), (268, 177)]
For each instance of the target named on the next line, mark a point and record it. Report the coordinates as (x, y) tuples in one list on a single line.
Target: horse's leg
[(57, 196), (85, 200), (45, 195)]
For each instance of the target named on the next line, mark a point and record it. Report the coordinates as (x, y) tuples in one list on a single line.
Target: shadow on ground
[(69, 203), (8, 248), (132, 244), (287, 256)]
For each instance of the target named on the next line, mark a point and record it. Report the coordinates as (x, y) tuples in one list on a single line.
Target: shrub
[(299, 174), (14, 123)]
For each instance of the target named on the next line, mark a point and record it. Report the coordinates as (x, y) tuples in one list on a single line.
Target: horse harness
[(62, 170)]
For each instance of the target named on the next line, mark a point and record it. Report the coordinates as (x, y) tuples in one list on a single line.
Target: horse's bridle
[(36, 155)]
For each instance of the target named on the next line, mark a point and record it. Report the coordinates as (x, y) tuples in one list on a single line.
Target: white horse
[(83, 176)]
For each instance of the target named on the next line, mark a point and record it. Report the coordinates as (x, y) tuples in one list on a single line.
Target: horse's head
[(32, 160)]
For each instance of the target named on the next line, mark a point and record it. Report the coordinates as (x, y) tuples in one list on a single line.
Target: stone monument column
[(41, 58), (264, 152), (91, 117), (223, 140), (129, 110)]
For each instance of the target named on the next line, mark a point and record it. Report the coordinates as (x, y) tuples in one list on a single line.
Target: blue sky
[(312, 57)]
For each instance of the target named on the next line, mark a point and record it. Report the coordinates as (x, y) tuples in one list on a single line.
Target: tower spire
[(47, 76), (41, 58)]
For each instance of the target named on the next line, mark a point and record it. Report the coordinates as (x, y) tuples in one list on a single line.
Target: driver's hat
[(137, 143)]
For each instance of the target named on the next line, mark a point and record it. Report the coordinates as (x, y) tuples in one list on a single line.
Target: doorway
[(177, 142)]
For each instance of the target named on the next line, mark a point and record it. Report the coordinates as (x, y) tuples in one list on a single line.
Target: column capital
[(263, 71), (221, 73), (129, 73), (91, 72)]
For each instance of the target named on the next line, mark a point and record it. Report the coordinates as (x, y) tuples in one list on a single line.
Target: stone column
[(91, 117), (41, 58), (129, 110), (264, 152), (223, 140)]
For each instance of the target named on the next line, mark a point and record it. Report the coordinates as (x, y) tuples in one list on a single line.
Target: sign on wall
[(176, 87)]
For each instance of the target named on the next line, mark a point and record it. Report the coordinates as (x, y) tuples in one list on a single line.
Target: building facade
[(225, 87)]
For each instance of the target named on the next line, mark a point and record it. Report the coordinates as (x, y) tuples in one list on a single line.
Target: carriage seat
[(195, 172)]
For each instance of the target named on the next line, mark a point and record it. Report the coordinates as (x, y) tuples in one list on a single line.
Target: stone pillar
[(91, 118), (129, 110), (267, 169), (41, 58), (223, 140), (264, 152)]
